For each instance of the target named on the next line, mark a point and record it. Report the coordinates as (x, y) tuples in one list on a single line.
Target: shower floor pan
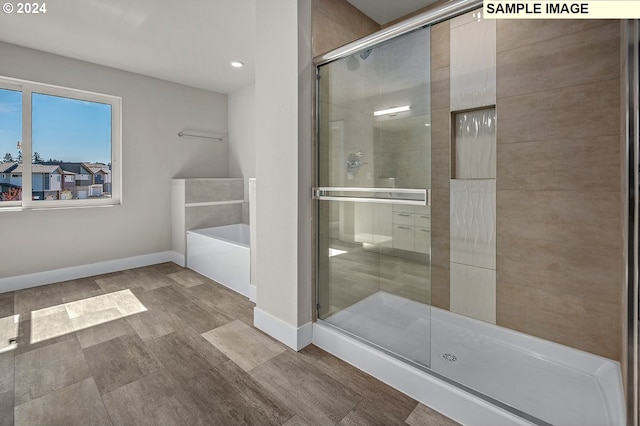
[(553, 383)]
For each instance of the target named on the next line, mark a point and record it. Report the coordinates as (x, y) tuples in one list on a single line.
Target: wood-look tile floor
[(192, 358), (358, 273)]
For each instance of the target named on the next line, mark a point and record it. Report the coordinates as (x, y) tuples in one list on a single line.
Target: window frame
[(27, 88), (11, 85)]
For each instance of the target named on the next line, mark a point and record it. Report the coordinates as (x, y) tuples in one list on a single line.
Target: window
[(47, 132)]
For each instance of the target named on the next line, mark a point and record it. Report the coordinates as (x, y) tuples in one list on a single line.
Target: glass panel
[(71, 141), (374, 276), (374, 254), (362, 141), (10, 147)]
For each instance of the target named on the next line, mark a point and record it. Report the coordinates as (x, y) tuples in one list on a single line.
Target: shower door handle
[(417, 197)]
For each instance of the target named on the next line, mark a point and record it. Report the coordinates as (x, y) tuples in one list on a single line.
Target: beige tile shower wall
[(203, 203), (404, 159), (225, 198), (336, 23), (213, 190), (558, 182), (440, 165), (473, 63), (199, 217), (473, 201)]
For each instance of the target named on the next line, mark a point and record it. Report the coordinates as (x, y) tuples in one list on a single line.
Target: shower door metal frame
[(631, 252)]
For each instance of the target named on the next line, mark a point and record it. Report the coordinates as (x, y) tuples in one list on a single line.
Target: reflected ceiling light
[(390, 111), (237, 64)]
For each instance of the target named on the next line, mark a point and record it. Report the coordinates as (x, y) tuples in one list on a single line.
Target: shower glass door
[(374, 174)]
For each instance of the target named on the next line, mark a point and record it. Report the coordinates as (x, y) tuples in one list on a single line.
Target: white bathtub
[(221, 253)]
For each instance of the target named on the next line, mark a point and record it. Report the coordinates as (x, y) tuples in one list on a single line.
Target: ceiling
[(189, 42), (384, 11)]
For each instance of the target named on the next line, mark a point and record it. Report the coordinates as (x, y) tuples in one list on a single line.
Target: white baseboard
[(437, 394), (75, 272), (252, 293), (295, 338)]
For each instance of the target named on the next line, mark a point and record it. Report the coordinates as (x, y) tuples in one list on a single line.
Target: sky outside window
[(10, 122), (71, 130), (64, 129)]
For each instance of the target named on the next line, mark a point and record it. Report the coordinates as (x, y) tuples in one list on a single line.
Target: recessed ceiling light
[(237, 64)]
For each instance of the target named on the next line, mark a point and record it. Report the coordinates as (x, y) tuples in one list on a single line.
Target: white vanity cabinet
[(411, 227), (398, 226)]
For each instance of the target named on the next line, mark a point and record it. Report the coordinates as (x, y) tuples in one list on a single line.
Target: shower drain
[(450, 357)]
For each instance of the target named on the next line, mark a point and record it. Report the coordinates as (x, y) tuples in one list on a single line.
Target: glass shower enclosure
[(414, 108), (374, 178)]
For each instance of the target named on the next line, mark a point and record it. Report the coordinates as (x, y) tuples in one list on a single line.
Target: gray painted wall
[(242, 135), (283, 155)]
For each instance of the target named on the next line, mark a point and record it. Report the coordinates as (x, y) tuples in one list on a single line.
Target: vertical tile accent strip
[(472, 192), (473, 222), (473, 292), (473, 61)]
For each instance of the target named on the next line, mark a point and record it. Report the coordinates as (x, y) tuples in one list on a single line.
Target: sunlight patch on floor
[(58, 320), (9, 332)]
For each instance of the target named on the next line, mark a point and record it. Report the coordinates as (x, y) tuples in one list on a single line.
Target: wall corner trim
[(295, 338), (36, 279), (178, 258)]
